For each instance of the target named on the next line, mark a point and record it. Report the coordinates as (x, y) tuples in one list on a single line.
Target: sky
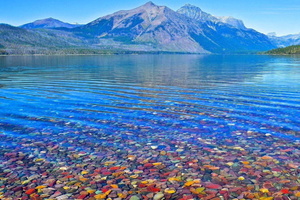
[(280, 16)]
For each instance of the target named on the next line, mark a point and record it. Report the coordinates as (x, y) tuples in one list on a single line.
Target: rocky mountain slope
[(149, 26), (188, 30), (146, 28)]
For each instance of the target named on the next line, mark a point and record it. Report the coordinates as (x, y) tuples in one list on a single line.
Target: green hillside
[(295, 49), (14, 40)]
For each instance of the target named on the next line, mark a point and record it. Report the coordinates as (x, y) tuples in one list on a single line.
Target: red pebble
[(148, 165), (166, 174), (106, 173), (187, 197), (82, 196), (104, 190), (141, 185), (44, 174), (114, 168), (30, 191), (213, 186), (244, 170), (285, 191), (153, 189), (121, 177)]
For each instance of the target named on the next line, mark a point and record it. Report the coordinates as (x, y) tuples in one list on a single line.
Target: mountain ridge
[(48, 23), (168, 30), (286, 40), (154, 28)]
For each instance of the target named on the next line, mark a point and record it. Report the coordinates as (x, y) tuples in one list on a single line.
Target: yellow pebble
[(294, 188), (114, 186), (100, 196), (66, 187), (200, 190), (83, 179), (109, 163), (266, 198), (157, 163), (188, 183), (39, 159), (174, 179), (229, 164), (170, 190), (84, 172), (91, 191), (120, 195), (241, 178), (264, 190), (40, 187), (297, 194), (246, 162), (25, 182)]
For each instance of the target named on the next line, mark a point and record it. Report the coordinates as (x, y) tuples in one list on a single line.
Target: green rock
[(158, 196), (98, 192), (134, 198)]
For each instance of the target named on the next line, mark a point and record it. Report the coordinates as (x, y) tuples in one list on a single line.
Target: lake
[(150, 127)]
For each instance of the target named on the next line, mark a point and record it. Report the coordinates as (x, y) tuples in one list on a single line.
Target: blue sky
[(280, 16)]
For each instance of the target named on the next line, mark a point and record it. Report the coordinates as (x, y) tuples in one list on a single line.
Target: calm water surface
[(130, 102), (168, 93)]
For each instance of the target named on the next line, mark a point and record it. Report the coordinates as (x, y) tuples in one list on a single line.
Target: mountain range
[(148, 28), (48, 23), (284, 41)]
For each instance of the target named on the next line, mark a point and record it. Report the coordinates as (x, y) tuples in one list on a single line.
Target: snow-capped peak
[(196, 13), (237, 23)]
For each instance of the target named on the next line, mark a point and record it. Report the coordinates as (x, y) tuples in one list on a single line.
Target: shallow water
[(258, 93), (134, 103)]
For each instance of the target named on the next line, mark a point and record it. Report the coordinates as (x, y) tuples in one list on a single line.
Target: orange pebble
[(266, 158)]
